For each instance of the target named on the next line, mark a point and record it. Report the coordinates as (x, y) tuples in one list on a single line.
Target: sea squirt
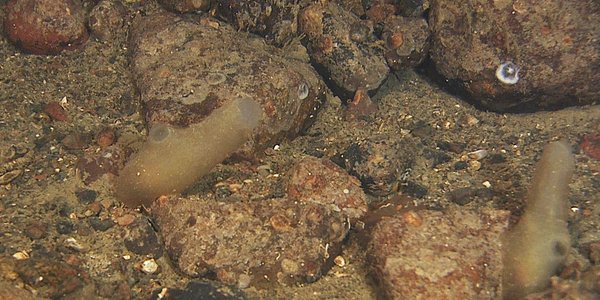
[(174, 158), (536, 247)]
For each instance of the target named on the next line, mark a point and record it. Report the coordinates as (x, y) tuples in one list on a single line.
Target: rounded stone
[(45, 26), (515, 56)]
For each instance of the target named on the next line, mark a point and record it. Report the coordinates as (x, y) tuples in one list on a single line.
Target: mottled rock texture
[(452, 254), (288, 240), (555, 44), (45, 26)]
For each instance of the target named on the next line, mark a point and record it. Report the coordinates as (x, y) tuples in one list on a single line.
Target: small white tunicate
[(303, 91), (508, 72)]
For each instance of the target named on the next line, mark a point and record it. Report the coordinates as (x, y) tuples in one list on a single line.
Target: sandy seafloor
[(95, 89)]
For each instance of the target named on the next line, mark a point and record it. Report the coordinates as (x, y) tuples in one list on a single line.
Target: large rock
[(455, 254), (45, 26), (186, 68), (553, 43), (244, 242)]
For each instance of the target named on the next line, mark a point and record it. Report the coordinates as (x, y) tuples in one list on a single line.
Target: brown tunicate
[(173, 158)]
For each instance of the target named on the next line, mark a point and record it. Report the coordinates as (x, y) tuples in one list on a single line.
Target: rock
[(55, 111), (86, 196), (45, 26), (76, 140), (101, 225), (269, 241), (10, 291), (183, 76), (106, 19), (326, 183), (344, 48), (52, 278), (551, 45), (105, 137), (140, 238), (185, 6), (276, 21), (36, 231), (92, 166), (206, 290), (65, 226), (406, 40), (380, 163), (454, 254)]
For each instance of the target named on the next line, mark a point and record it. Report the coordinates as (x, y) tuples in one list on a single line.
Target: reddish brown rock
[(45, 26), (454, 254), (251, 243), (55, 111), (290, 240), (11, 291), (52, 278), (552, 45), (324, 182)]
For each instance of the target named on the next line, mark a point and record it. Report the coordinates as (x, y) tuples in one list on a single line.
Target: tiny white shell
[(508, 72)]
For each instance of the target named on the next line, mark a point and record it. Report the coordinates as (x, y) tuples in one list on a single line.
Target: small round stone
[(149, 266)]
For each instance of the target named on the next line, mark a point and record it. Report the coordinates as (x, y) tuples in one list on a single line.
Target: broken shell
[(478, 154), (340, 261), (21, 255)]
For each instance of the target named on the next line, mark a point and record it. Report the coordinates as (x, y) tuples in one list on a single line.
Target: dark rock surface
[(454, 254), (381, 163), (183, 76), (205, 290), (344, 48), (554, 43), (140, 238), (45, 26), (185, 6)]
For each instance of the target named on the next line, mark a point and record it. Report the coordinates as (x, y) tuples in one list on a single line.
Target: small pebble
[(101, 225), (94, 208), (149, 266), (86, 196), (339, 261), (478, 154), (65, 226), (105, 137), (35, 231), (55, 111), (474, 165), (412, 218), (75, 140), (73, 244), (125, 220)]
